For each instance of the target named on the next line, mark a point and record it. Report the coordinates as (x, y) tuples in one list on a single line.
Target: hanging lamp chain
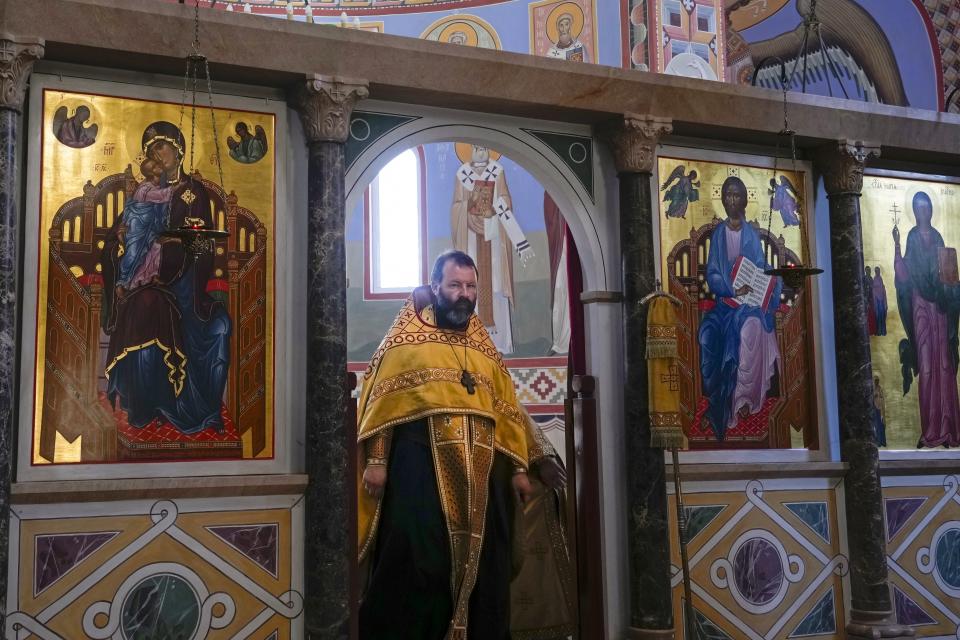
[(786, 131), (794, 275), (213, 123), (195, 62), (196, 26), (783, 132), (792, 135), (793, 167)]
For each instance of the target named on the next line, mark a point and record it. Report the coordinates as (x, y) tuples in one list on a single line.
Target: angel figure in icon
[(250, 147), (783, 198), (682, 193), (73, 130)]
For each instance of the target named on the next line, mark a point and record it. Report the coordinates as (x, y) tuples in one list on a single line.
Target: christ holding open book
[(738, 343)]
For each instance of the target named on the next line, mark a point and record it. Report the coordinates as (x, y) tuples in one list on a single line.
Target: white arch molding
[(578, 209)]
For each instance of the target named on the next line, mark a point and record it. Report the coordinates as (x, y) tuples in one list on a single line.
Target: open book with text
[(746, 272)]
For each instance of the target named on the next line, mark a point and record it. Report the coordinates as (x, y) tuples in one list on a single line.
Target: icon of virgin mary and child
[(168, 355)]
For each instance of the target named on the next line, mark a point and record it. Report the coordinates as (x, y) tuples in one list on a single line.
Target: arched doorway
[(418, 167)]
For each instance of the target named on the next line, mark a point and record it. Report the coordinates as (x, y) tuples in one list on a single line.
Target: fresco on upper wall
[(900, 52), (746, 372), (874, 52), (945, 20), (910, 238), (564, 29), (463, 29), (150, 345), (679, 37)]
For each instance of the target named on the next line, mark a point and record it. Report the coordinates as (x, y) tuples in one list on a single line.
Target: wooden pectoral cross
[(467, 381)]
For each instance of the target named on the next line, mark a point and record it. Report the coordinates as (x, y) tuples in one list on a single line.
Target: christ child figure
[(144, 219)]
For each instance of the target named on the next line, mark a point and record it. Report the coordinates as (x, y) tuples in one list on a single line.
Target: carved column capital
[(325, 104), (841, 163), (635, 140), (17, 56)]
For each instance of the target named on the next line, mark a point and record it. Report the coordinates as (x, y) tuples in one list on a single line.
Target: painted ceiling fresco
[(899, 52)]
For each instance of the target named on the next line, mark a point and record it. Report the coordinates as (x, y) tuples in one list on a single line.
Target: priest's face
[(456, 295)]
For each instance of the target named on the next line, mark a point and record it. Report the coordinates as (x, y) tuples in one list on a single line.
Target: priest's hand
[(375, 479), (552, 473), (522, 488)]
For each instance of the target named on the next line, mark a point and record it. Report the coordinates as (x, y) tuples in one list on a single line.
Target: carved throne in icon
[(74, 400)]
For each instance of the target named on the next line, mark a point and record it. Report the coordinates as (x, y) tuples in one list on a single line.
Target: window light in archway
[(395, 226)]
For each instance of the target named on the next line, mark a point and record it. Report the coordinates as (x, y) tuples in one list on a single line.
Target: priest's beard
[(454, 314)]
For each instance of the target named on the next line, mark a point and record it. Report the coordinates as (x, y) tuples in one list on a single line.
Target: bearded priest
[(447, 452)]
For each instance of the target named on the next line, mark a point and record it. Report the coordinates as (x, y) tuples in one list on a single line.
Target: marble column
[(17, 56), (325, 104), (634, 142), (841, 165)]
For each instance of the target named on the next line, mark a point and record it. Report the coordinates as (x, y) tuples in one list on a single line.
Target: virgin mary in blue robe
[(169, 354)]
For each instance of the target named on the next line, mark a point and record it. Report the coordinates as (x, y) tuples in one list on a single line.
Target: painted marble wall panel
[(764, 564), (228, 568), (923, 552), (911, 229), (746, 366), (147, 349)]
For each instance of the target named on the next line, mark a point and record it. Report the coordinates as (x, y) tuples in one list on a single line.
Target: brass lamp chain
[(793, 275), (791, 134), (801, 210), (213, 123), (776, 155), (776, 159), (196, 60)]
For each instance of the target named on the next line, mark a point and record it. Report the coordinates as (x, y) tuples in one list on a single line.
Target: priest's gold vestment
[(416, 373)]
